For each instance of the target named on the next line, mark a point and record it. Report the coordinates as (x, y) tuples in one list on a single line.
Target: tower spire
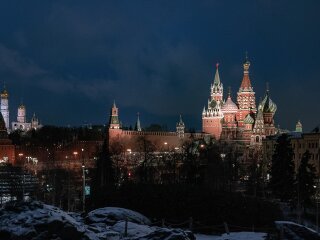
[(246, 84), (180, 127), (217, 76), (138, 124), (114, 117)]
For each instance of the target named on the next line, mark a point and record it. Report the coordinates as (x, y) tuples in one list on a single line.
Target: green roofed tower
[(114, 117)]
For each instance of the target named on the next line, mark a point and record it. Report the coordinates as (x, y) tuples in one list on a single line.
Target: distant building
[(300, 142), (21, 122), (7, 149), (129, 140), (4, 97)]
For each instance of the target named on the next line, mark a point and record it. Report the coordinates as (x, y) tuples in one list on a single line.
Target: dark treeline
[(178, 202), (205, 180), (202, 180), (52, 135)]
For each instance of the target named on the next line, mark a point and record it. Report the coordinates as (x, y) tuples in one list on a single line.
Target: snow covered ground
[(234, 236), (38, 221)]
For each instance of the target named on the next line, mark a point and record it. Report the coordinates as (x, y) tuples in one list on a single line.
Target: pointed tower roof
[(246, 83), (217, 76), (138, 124), (34, 118), (180, 123)]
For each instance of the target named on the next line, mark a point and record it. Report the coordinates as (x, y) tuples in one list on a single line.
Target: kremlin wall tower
[(223, 119)]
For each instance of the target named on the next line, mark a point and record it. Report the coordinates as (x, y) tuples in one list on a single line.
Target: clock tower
[(212, 116)]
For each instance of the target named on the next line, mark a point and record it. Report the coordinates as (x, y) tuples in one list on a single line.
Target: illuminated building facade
[(7, 149), (22, 124), (5, 107), (132, 139), (300, 143)]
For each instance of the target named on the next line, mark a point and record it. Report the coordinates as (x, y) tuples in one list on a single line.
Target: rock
[(111, 215), (28, 220)]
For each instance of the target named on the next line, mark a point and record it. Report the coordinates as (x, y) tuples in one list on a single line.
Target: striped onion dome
[(229, 106), (268, 106), (248, 119)]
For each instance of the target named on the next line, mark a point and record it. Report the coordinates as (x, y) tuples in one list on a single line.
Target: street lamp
[(68, 183), (83, 182), (223, 155), (166, 146), (83, 188), (23, 183)]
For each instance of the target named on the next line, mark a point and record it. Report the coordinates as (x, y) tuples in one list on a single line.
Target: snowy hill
[(37, 221)]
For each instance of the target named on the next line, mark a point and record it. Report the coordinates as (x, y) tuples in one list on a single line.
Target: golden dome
[(4, 93)]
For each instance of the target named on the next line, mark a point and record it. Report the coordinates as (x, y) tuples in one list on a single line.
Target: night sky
[(68, 60)]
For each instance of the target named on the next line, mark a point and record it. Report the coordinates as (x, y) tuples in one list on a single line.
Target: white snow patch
[(111, 215), (134, 230), (234, 236)]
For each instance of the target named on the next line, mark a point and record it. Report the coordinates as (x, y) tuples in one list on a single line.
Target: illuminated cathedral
[(242, 121)]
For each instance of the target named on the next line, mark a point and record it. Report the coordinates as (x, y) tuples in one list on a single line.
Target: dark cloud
[(158, 57), (12, 63)]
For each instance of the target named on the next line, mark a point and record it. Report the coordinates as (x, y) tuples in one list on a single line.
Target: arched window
[(257, 138)]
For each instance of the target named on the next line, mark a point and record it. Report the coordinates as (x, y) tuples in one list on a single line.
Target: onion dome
[(22, 106), (268, 106), (229, 106), (4, 93), (248, 119)]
